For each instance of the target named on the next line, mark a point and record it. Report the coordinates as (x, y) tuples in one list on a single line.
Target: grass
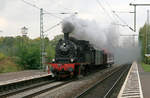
[(8, 65), (146, 67)]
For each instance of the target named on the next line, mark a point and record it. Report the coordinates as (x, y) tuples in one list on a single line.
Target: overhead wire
[(52, 14), (100, 5), (110, 8), (115, 13), (65, 8), (52, 27), (35, 6), (117, 16), (124, 22)]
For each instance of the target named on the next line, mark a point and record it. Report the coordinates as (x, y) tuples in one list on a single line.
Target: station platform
[(132, 86), (145, 81), (13, 77)]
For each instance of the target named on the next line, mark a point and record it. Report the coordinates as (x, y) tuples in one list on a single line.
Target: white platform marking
[(132, 85)]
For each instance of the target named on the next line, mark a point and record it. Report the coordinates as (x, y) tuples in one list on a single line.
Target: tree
[(143, 42), (26, 51)]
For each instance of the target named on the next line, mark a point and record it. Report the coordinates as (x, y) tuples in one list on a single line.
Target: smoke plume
[(67, 27), (102, 38)]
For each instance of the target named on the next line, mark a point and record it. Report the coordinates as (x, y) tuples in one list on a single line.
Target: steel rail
[(115, 84), (47, 89), (91, 87), (15, 87)]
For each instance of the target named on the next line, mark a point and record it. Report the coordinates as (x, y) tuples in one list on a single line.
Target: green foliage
[(9, 68), (30, 57), (146, 67), (26, 51), (142, 41), (2, 56), (8, 65)]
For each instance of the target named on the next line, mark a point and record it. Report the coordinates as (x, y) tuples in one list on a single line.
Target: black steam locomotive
[(73, 56)]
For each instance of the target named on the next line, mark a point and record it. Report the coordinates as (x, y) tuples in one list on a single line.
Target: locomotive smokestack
[(67, 28), (66, 36)]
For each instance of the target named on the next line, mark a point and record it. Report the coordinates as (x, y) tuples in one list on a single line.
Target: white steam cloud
[(103, 38)]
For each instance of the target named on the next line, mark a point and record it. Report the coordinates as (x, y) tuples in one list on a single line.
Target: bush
[(2, 56), (29, 57), (8, 65)]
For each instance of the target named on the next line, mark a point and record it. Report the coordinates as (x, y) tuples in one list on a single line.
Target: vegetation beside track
[(21, 53), (8, 65), (144, 41), (146, 67)]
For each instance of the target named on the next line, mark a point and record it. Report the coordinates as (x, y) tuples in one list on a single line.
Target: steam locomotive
[(73, 57)]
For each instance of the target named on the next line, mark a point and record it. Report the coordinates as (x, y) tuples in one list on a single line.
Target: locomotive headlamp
[(64, 44), (71, 59), (53, 60)]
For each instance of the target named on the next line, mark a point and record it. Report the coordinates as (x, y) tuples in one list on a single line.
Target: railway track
[(30, 88), (11, 87), (76, 87), (49, 85), (21, 88), (46, 88), (108, 86), (35, 89)]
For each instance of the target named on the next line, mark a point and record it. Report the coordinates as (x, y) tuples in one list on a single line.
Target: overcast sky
[(14, 14)]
